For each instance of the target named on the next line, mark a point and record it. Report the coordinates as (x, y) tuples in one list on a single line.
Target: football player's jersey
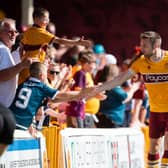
[(155, 75), (28, 99)]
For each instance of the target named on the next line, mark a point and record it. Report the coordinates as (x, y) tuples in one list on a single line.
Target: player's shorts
[(158, 124)]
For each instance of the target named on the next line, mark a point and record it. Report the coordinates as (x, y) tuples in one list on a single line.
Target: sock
[(164, 160), (153, 160)]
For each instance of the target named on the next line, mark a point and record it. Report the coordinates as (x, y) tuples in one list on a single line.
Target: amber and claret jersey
[(155, 75), (34, 42), (34, 39)]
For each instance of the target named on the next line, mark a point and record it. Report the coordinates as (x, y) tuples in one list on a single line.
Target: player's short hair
[(154, 37)]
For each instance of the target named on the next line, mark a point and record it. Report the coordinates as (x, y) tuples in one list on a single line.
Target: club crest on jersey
[(149, 67)]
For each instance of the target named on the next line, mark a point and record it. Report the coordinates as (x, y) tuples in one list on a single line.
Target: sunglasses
[(54, 72), (11, 31)]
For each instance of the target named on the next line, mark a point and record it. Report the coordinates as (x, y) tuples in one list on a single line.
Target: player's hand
[(101, 96), (88, 92)]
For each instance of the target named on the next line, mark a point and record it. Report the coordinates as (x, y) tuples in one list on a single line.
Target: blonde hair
[(86, 57)]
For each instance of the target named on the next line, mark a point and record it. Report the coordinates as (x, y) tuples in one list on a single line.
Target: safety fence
[(78, 148)]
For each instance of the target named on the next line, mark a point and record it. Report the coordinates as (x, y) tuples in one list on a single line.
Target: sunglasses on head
[(54, 72)]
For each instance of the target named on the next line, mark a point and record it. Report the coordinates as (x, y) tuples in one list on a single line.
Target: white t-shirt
[(7, 88), (16, 56)]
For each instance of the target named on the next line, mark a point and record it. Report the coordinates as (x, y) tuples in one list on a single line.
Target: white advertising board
[(24, 152), (102, 148)]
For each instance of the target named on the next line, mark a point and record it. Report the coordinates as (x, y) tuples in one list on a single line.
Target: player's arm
[(93, 91), (66, 96), (117, 81), (73, 95)]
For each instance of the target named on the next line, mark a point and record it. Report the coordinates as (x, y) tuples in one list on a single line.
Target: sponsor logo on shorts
[(155, 78)]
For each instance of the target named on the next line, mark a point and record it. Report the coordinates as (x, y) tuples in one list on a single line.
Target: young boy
[(36, 39), (31, 93), (76, 109)]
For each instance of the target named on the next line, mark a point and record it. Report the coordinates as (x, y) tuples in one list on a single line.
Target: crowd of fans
[(64, 67)]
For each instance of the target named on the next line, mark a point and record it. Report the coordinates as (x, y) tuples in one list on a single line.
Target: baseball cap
[(98, 49)]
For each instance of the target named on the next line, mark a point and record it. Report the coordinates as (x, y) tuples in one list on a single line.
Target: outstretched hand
[(86, 43), (101, 96), (88, 92)]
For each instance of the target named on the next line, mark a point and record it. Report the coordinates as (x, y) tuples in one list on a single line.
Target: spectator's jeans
[(75, 122), (89, 121)]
